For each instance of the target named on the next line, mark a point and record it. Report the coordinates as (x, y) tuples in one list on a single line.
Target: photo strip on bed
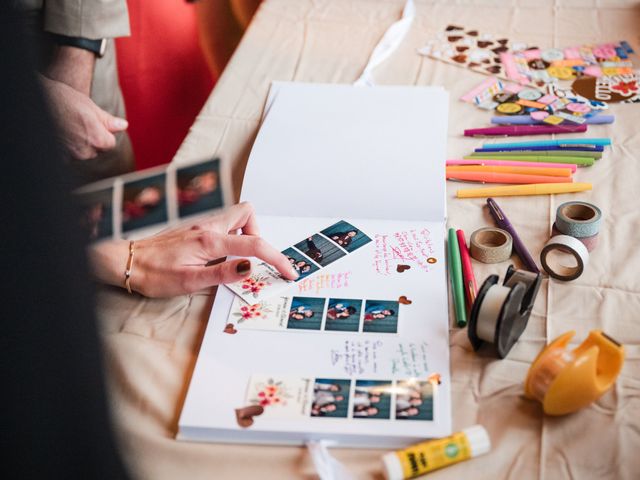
[(145, 202)]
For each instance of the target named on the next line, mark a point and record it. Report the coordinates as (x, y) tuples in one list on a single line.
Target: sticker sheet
[(553, 105), (542, 66), (468, 48), (307, 257), (143, 203)]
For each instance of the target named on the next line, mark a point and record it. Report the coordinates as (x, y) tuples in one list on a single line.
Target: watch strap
[(96, 46)]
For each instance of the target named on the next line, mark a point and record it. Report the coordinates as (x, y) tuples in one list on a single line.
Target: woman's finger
[(230, 271), (250, 246), (240, 216)]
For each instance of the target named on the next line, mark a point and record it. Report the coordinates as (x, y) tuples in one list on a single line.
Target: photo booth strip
[(290, 397), (307, 257), (142, 203), (315, 314)]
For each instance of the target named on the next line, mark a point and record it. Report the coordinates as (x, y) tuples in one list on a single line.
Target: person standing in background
[(77, 62)]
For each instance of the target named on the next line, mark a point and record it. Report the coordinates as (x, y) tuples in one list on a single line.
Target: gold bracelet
[(127, 272)]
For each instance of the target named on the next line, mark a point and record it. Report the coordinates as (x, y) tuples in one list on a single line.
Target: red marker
[(470, 286)]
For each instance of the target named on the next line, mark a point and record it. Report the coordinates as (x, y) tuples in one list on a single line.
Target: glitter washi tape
[(578, 219), (552, 264), (590, 242), (491, 245)]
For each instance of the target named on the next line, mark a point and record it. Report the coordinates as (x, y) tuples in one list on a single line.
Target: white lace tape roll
[(568, 245), (490, 311)]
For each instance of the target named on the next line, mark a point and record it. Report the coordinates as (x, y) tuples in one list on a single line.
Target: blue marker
[(527, 120), (553, 143), (541, 148)]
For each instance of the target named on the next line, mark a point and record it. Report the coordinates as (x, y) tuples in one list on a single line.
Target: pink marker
[(512, 163)]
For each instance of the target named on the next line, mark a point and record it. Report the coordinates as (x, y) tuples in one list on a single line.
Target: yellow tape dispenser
[(565, 381)]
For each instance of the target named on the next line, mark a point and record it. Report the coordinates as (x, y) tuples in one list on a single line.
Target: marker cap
[(478, 440)]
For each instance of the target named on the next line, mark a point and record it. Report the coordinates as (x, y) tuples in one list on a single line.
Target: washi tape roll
[(589, 242), (569, 246), (578, 219), (491, 245)]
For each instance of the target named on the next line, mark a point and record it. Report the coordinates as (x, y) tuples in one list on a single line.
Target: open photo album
[(348, 182)]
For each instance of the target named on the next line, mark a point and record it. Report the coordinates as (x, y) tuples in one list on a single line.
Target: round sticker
[(578, 107), (552, 55), (432, 260), (503, 97), (563, 73), (530, 94), (539, 115), (538, 64), (509, 108)]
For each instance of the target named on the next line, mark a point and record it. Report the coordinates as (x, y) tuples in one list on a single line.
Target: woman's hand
[(190, 258)]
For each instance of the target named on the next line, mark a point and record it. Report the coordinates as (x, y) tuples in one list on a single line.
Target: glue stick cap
[(478, 440)]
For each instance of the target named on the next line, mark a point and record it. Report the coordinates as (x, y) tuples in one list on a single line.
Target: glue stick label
[(428, 456)]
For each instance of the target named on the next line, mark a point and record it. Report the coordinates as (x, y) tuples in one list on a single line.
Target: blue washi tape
[(578, 219)]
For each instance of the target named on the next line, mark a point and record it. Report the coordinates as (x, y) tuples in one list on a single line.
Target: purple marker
[(504, 223)]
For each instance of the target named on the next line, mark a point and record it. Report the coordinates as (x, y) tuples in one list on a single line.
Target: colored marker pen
[(428, 456)]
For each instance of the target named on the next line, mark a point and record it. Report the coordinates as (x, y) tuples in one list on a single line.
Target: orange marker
[(551, 171)]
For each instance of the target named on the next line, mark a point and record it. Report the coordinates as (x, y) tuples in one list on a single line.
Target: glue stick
[(431, 455)]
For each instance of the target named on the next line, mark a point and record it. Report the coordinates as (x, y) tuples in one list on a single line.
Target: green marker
[(455, 275), (580, 161)]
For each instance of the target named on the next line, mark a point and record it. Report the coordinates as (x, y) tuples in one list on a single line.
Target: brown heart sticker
[(459, 58), (453, 27), (494, 69), (230, 328), (404, 300), (473, 33), (484, 43), (473, 64), (486, 61), (244, 416), (503, 41), (462, 48), (401, 268), (454, 38), (499, 50)]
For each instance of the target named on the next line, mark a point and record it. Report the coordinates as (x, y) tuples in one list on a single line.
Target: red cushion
[(164, 77)]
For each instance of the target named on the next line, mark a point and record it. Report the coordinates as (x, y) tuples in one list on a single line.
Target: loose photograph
[(97, 213), (343, 315), (320, 250), (346, 235), (306, 313), (330, 398), (300, 263), (414, 400), (144, 203), (372, 399), (381, 316), (198, 188)]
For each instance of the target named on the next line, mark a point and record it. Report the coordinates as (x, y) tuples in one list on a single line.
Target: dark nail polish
[(243, 267)]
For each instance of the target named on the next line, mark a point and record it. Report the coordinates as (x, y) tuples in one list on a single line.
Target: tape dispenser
[(565, 381), (500, 312)]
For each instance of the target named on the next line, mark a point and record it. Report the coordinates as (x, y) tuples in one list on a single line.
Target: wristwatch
[(96, 46)]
